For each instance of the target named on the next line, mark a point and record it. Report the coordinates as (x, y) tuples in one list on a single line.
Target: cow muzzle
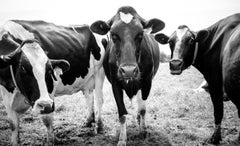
[(129, 71), (43, 107), (176, 66)]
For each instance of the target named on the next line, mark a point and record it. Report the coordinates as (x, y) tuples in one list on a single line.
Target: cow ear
[(162, 38), (104, 43), (63, 64), (100, 27), (202, 35), (155, 24), (5, 61), (10, 59)]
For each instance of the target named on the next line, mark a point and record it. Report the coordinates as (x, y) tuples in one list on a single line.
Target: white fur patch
[(16, 30), (127, 18), (38, 60), (181, 33), (82, 84)]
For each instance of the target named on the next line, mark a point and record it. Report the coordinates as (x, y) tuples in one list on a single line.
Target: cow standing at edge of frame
[(215, 52), (77, 45)]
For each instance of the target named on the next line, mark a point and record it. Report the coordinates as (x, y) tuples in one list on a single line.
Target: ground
[(176, 115)]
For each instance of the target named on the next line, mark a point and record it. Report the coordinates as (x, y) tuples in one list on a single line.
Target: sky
[(197, 14)]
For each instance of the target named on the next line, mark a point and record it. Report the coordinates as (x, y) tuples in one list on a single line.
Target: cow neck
[(195, 53), (15, 83)]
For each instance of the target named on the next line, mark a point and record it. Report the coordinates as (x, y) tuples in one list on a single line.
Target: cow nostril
[(122, 71), (129, 71), (135, 71), (46, 108), (40, 105)]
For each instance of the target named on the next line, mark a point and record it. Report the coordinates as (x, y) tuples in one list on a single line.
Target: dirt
[(176, 115)]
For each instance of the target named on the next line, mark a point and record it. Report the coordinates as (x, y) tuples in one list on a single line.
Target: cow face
[(126, 31), (30, 66), (184, 47)]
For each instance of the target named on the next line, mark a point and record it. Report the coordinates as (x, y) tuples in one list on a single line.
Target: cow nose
[(46, 107), (129, 71), (176, 66)]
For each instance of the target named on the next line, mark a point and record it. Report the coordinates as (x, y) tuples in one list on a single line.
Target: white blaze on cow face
[(126, 18), (38, 60), (180, 34)]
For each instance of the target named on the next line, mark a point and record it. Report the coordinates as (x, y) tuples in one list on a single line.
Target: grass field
[(175, 116)]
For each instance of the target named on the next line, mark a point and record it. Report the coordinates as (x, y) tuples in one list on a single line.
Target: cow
[(131, 60), (215, 52), (77, 45), (24, 71)]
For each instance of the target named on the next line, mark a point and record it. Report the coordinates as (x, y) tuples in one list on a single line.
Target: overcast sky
[(196, 14)]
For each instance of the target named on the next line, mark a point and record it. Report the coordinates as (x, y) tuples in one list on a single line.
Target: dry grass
[(175, 116)]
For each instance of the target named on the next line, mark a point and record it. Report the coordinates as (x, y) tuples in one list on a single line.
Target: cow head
[(184, 47), (30, 67), (126, 30)]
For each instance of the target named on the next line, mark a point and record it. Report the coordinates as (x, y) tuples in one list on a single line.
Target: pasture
[(175, 116)]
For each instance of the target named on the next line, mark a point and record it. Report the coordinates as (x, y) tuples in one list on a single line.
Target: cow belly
[(80, 84)]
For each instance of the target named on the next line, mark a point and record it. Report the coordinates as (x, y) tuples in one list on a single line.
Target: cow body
[(131, 60), (217, 53), (78, 46)]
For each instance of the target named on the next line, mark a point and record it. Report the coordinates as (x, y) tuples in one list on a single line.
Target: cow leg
[(218, 115), (48, 122), (118, 95), (238, 107), (13, 116), (123, 131), (99, 79), (90, 106), (141, 115), (14, 125), (142, 106)]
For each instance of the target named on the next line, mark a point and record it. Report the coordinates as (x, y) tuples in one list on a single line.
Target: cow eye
[(115, 37), (139, 37), (191, 41), (170, 42), (23, 69), (50, 72)]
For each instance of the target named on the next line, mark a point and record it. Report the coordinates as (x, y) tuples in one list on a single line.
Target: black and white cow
[(215, 52), (131, 60), (79, 47), (24, 71)]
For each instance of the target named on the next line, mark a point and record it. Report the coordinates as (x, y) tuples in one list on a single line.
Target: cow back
[(69, 43)]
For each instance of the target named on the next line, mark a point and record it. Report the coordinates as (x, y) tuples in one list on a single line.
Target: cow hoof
[(100, 127), (238, 140), (121, 143), (88, 123), (215, 139), (143, 134), (15, 144), (138, 119), (50, 142), (226, 98)]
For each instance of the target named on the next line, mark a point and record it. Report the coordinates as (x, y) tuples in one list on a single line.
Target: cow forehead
[(122, 28), (126, 18), (181, 33), (35, 54)]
